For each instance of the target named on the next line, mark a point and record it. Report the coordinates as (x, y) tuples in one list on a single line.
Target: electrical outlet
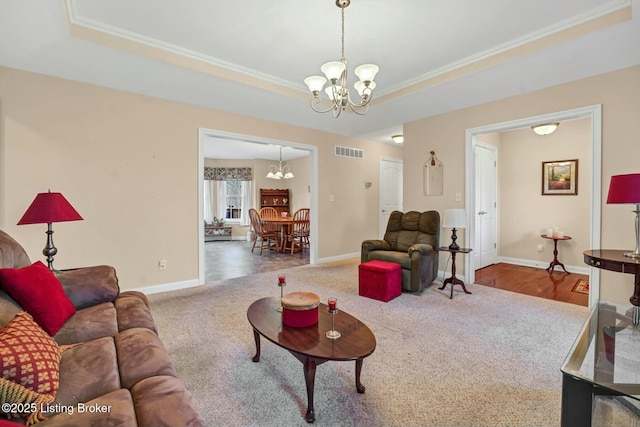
[(539, 247), (162, 265)]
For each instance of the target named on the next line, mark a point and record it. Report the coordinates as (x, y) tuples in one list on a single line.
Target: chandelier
[(336, 73), (279, 172)]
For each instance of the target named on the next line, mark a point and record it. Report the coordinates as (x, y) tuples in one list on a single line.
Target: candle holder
[(333, 309), (282, 282)]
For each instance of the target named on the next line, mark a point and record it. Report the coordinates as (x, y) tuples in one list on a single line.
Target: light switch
[(332, 198), (458, 197)]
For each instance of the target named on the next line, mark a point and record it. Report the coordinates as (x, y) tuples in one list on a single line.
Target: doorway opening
[(204, 134), (594, 114)]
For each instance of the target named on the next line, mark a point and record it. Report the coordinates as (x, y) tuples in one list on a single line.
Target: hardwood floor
[(533, 281)]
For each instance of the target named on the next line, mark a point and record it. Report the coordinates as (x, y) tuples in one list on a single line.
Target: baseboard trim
[(543, 264), (339, 257), (166, 287)]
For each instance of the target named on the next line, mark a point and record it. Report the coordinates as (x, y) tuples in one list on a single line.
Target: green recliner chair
[(411, 240)]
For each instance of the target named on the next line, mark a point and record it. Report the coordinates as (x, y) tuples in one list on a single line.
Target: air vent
[(354, 153)]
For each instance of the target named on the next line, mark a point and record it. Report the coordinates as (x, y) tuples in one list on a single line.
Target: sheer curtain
[(208, 201), (221, 203), (246, 203)]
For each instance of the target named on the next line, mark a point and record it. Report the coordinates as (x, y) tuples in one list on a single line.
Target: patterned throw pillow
[(29, 368)]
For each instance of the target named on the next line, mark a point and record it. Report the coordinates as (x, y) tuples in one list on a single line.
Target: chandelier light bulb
[(333, 70), (367, 72), (315, 83)]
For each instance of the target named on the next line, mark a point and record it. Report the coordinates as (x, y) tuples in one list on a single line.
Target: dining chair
[(300, 230), (266, 213), (261, 233)]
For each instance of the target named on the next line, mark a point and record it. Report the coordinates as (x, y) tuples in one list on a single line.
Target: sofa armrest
[(373, 245), (424, 249), (89, 286)]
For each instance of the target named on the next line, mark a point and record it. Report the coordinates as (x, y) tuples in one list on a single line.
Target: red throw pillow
[(40, 293)]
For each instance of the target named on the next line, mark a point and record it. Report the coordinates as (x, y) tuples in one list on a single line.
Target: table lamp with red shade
[(49, 208), (626, 189)]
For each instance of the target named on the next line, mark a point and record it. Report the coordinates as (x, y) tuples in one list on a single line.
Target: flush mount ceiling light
[(336, 73), (398, 139), (546, 128), (279, 172)]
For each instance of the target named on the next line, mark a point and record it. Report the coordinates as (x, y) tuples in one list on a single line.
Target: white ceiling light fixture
[(398, 139), (336, 73), (546, 128), (279, 172)]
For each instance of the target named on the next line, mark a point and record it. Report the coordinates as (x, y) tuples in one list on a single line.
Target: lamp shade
[(454, 218), (624, 189), (49, 207)]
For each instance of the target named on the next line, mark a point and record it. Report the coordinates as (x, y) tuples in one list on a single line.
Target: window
[(233, 199)]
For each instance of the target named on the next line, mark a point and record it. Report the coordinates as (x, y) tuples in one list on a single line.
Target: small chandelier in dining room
[(336, 73), (279, 172)]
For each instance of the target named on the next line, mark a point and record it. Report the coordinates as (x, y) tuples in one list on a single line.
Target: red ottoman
[(380, 280)]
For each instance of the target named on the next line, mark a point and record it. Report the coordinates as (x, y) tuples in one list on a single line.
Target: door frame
[(394, 160), (203, 133), (592, 112), (486, 146)]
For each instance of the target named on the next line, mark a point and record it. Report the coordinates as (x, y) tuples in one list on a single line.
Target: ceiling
[(251, 57)]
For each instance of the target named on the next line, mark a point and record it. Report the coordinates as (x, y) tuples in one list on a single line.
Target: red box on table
[(380, 280), (300, 309)]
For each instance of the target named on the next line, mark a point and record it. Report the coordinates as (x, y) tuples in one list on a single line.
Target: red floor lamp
[(49, 208)]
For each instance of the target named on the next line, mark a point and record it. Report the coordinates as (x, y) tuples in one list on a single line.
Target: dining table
[(284, 224)]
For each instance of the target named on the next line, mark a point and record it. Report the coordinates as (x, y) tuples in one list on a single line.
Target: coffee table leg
[(310, 378), (359, 385), (256, 336)]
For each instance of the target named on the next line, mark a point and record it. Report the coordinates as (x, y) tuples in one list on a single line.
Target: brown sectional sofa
[(114, 370)]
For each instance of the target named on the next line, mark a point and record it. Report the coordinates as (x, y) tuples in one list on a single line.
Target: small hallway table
[(555, 252), (453, 279)]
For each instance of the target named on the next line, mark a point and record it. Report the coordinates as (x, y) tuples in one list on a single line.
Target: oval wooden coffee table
[(310, 345)]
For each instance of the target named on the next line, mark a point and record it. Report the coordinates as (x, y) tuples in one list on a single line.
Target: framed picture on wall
[(560, 177)]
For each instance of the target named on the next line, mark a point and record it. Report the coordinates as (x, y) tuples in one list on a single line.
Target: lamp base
[(632, 255), (454, 246)]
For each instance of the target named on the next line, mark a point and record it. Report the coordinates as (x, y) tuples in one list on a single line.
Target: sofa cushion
[(114, 409), (133, 311), (90, 285), (88, 370), (89, 324), (38, 291), (164, 401), (29, 364), (141, 355)]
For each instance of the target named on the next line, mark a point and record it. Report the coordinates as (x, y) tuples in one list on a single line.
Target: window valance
[(228, 174)]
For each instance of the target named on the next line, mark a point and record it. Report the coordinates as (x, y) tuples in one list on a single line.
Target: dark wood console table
[(614, 260)]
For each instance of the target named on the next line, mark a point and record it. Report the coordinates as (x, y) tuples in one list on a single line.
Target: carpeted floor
[(492, 358)]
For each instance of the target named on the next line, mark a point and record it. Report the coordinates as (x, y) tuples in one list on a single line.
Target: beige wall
[(619, 94), (525, 213), (129, 164)]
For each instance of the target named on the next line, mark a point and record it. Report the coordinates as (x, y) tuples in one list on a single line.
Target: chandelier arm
[(360, 110), (318, 100)]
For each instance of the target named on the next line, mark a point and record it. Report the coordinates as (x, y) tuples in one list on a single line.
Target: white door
[(485, 214), (390, 190)]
